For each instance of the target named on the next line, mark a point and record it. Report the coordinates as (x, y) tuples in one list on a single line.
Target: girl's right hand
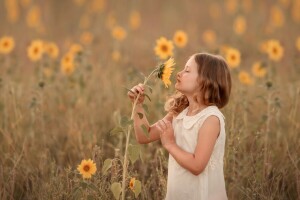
[(138, 89)]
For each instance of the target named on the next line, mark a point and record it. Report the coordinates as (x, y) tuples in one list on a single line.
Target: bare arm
[(197, 161), (153, 131)]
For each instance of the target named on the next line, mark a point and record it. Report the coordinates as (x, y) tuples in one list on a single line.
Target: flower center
[(164, 48), (86, 168)]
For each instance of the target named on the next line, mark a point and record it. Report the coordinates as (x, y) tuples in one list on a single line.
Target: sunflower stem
[(128, 136)]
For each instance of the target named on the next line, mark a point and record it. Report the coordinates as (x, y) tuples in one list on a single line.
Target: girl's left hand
[(166, 133)]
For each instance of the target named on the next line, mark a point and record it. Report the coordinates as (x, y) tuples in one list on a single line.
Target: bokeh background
[(65, 67)]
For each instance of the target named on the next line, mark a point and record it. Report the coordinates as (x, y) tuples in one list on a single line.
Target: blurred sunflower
[(274, 50), (75, 49), (259, 70), (180, 38), (86, 38), (263, 46), (135, 20), (51, 49), (7, 44), (240, 25), (87, 168), (35, 50), (245, 78), (209, 37), (165, 70), (214, 11), (298, 43), (277, 17), (116, 55), (131, 184), (33, 18), (164, 48), (119, 33), (67, 64), (233, 57)]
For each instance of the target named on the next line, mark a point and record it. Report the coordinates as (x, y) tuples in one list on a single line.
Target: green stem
[(128, 136)]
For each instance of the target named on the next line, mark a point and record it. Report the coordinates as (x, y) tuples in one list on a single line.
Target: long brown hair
[(214, 80)]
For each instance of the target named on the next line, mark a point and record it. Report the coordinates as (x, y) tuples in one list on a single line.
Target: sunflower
[(259, 70), (165, 70), (86, 38), (67, 64), (240, 25), (163, 48), (75, 49), (116, 55), (87, 168), (209, 37), (245, 78), (51, 49), (298, 43), (131, 184), (277, 17), (233, 57), (35, 50), (180, 38), (7, 44), (135, 20), (274, 50), (119, 33)]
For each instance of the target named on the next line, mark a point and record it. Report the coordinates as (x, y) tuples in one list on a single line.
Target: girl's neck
[(194, 107)]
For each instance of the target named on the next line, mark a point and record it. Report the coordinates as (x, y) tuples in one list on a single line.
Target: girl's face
[(187, 82)]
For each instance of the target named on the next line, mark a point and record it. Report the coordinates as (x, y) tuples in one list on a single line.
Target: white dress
[(210, 184)]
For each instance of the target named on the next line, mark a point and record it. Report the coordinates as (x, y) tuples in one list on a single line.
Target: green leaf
[(133, 152), (137, 188), (128, 90), (147, 96), (126, 121), (140, 115), (145, 130), (116, 190), (107, 164), (116, 130), (83, 185), (146, 108)]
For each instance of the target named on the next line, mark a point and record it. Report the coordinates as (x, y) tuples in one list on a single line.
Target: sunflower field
[(66, 120)]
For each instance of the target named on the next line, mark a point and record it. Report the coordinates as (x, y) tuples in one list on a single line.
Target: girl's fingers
[(142, 86), (139, 89), (162, 124)]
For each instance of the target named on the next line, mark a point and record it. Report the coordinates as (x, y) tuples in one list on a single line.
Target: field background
[(50, 121)]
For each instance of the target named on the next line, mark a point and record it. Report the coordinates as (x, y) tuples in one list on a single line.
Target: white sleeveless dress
[(210, 184)]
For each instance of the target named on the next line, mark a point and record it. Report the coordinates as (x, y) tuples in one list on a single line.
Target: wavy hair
[(214, 80)]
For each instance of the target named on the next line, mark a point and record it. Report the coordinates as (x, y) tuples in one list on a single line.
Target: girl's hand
[(166, 133), (135, 91)]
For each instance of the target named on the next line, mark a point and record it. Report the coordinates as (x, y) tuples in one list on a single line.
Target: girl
[(193, 131)]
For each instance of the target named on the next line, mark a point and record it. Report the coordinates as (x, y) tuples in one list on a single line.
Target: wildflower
[(67, 64), (209, 37), (239, 25), (86, 38), (87, 168), (233, 57), (51, 49), (259, 70), (119, 33), (131, 184), (35, 50), (135, 20), (245, 78), (274, 50), (180, 38), (163, 48), (165, 70), (7, 44)]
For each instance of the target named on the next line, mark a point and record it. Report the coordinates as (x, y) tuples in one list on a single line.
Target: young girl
[(193, 131)]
